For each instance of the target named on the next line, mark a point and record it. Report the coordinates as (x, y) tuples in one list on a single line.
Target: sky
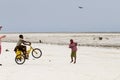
[(60, 15)]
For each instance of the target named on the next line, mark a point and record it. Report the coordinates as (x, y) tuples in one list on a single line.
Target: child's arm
[(26, 42), (71, 46), (2, 36)]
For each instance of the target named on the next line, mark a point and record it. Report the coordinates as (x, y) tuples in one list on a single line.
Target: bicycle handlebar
[(28, 43)]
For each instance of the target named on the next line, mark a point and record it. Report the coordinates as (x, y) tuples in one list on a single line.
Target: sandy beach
[(93, 63)]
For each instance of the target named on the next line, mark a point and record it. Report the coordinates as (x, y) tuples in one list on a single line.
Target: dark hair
[(21, 36), (71, 40)]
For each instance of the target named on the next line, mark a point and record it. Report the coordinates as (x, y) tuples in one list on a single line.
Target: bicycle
[(20, 57)]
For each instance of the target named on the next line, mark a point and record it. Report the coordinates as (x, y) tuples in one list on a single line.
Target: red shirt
[(73, 46)]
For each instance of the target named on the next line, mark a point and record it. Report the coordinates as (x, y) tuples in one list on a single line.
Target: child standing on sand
[(73, 47)]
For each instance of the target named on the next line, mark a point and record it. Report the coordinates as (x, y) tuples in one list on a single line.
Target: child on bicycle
[(21, 45)]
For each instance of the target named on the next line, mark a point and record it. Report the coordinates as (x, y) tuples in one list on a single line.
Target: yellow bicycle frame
[(28, 51), (18, 52)]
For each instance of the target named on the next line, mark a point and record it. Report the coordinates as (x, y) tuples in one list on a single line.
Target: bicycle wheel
[(36, 53), (20, 59)]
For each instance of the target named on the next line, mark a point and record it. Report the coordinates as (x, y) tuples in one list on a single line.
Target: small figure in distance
[(73, 46)]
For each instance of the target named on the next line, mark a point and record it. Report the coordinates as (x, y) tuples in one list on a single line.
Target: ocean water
[(83, 39)]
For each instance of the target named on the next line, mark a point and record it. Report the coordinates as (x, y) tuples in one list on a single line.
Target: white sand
[(92, 64)]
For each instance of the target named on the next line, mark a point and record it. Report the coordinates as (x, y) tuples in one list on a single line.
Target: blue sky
[(60, 15)]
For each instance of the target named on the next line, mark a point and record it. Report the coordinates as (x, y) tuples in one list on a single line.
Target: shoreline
[(83, 39), (61, 32)]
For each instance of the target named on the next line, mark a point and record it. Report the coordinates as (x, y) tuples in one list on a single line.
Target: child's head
[(71, 40), (21, 36)]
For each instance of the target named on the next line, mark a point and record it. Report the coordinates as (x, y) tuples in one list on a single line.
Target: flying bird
[(80, 7)]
